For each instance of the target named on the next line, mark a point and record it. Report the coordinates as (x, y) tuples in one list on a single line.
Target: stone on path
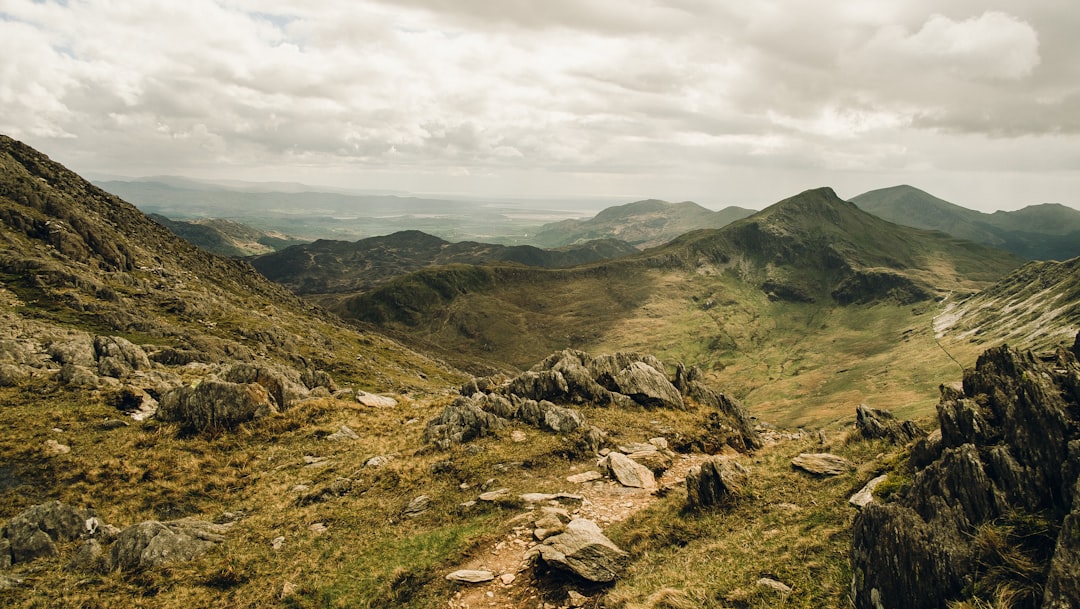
[(470, 576), (583, 550), (629, 472)]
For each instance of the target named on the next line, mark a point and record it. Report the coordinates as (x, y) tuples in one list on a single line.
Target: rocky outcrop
[(34, 533), (216, 405), (1008, 454), (540, 396), (874, 424), (717, 482), (459, 422), (582, 549), (153, 544)]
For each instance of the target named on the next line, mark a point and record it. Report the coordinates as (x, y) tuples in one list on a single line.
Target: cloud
[(993, 45), (622, 88)]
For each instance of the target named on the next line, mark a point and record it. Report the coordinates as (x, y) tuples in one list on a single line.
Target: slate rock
[(343, 434), (459, 422), (630, 473), (153, 544), (418, 505), (117, 356), (648, 386), (375, 401), (470, 576), (716, 482), (866, 494), (216, 405), (872, 423), (582, 549), (6, 559), (284, 384), (822, 464)]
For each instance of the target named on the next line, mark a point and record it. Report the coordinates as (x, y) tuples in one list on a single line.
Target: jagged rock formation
[(716, 482), (872, 423), (1004, 478), (629, 380)]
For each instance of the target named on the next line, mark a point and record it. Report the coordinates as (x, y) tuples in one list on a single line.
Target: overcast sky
[(721, 102)]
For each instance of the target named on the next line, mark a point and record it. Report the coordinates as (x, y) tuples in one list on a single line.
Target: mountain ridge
[(1046, 231)]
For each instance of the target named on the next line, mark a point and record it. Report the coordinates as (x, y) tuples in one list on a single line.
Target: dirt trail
[(605, 502)]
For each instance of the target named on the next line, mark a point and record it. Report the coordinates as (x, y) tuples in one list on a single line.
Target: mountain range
[(643, 224), (1036, 232), (640, 431), (327, 266)]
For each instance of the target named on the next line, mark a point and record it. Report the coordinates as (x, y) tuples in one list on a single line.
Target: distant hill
[(643, 224), (714, 297), (327, 266), (1037, 232), (226, 237)]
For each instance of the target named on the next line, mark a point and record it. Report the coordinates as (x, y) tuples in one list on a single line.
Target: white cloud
[(675, 91)]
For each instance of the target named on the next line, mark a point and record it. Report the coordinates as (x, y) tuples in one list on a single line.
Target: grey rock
[(77, 350), (494, 495), (630, 473), (539, 385), (283, 384), (648, 386), (582, 549), (1062, 589), (13, 374), (461, 421), (417, 506), (378, 461), (6, 559), (822, 464), (774, 585), (117, 356), (343, 434), (152, 544), (216, 405), (881, 424), (866, 493), (90, 557), (470, 576), (375, 401), (77, 376), (717, 482), (584, 477), (926, 450), (657, 461)]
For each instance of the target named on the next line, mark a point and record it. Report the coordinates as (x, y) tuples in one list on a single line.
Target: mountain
[(643, 224), (225, 237), (1032, 308), (752, 303), (1039, 232), (338, 266)]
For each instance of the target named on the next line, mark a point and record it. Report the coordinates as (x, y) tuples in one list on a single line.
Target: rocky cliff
[(992, 508)]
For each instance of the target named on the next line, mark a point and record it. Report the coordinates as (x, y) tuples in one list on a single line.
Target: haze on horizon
[(719, 102)]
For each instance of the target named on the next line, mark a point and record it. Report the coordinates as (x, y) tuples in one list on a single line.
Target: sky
[(716, 101)]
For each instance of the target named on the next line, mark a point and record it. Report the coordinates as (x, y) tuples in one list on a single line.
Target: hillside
[(752, 304), (338, 266), (1038, 232), (1034, 307), (643, 224), (225, 237)]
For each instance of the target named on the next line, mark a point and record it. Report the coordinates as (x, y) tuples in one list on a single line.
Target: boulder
[(461, 421), (648, 386), (882, 424), (77, 376), (822, 464), (152, 544), (417, 506), (582, 549), (117, 356), (657, 461), (283, 384), (216, 405), (539, 385), (375, 401), (13, 374), (630, 473), (33, 533), (90, 557), (76, 350), (716, 482)]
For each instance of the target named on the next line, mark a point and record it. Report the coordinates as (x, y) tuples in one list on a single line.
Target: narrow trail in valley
[(605, 502)]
